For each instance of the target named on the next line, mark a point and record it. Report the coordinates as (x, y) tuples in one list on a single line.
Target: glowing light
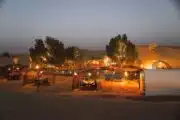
[(16, 60), (160, 64), (122, 83), (89, 74), (37, 67), (41, 72), (75, 73), (44, 59), (106, 61), (148, 66), (142, 66), (30, 59), (126, 73), (113, 63), (93, 62)]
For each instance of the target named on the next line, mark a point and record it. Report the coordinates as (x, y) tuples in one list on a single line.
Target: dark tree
[(55, 50), (111, 48), (32, 54), (120, 48), (6, 54), (124, 38), (131, 52), (116, 47), (108, 50), (73, 53), (38, 51)]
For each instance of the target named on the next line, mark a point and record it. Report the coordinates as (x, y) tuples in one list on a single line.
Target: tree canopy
[(73, 53), (5, 54), (120, 48), (37, 50), (152, 47), (53, 51)]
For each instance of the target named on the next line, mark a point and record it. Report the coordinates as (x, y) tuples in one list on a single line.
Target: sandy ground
[(58, 102)]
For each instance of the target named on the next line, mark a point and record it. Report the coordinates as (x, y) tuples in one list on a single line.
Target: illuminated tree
[(73, 53), (37, 51), (121, 49), (152, 47), (55, 50)]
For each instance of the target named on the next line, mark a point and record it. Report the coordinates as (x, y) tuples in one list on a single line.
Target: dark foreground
[(38, 106), (60, 103)]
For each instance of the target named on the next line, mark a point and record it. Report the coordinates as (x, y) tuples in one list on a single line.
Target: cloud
[(1, 2), (177, 4)]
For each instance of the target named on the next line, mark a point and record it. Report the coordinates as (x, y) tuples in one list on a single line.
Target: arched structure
[(160, 64)]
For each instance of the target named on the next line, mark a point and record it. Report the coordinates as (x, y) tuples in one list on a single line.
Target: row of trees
[(5, 54), (121, 49), (52, 50)]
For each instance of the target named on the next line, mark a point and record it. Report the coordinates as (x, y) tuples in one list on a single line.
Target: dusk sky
[(87, 23)]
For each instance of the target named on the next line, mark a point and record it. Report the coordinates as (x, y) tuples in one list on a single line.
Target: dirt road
[(20, 106), (17, 103)]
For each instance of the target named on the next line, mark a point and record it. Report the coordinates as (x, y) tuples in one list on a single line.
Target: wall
[(160, 82)]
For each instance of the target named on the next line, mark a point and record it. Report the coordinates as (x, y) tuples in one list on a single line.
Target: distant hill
[(88, 54), (24, 60), (170, 54)]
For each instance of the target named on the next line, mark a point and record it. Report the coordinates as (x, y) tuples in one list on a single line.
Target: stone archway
[(160, 64)]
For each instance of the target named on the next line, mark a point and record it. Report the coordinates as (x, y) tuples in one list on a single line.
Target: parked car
[(86, 79), (13, 71), (33, 76), (124, 80)]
